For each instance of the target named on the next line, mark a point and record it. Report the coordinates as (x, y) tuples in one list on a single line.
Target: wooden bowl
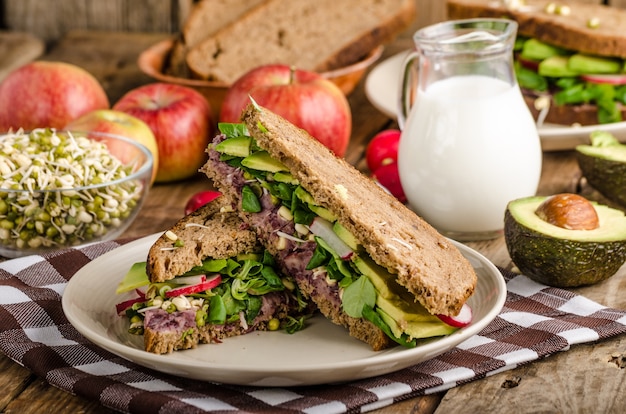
[(152, 60)]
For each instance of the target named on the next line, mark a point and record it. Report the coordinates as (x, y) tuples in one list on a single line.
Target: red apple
[(180, 119), (304, 98), (119, 123), (48, 94)]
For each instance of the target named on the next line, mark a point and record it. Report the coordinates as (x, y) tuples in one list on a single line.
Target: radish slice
[(122, 306), (617, 79), (324, 229), (191, 289), (528, 63), (189, 280), (464, 317)]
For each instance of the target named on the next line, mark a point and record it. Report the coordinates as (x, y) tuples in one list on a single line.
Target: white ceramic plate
[(320, 353), (382, 88)]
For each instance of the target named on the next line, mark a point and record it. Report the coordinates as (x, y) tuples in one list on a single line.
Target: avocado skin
[(559, 262), (606, 176)]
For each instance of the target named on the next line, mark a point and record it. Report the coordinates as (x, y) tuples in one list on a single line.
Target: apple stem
[(292, 74)]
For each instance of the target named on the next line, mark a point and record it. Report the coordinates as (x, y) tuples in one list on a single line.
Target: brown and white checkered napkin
[(536, 321)]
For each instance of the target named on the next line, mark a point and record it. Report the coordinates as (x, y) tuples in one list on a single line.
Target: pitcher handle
[(407, 88)]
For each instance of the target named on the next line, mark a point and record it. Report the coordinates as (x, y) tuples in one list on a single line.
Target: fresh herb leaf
[(359, 294), (294, 325), (320, 257), (254, 307), (249, 201), (233, 130), (217, 311)]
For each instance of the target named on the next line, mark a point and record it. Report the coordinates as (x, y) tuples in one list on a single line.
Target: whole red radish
[(382, 149), (388, 176), (199, 199)]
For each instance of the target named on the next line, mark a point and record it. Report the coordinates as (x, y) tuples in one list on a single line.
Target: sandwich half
[(366, 260), (570, 56), (206, 279)]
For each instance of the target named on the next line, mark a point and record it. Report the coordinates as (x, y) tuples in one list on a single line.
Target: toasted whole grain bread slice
[(570, 31), (313, 35), (425, 262), (207, 232)]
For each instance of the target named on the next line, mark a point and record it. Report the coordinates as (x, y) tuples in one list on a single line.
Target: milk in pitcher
[(468, 148)]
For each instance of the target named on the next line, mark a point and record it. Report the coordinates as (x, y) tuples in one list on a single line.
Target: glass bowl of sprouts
[(64, 189)]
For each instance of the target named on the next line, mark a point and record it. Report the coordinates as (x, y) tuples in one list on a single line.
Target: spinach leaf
[(249, 201), (359, 294)]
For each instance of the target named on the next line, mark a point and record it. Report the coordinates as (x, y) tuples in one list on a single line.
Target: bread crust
[(425, 262), (207, 232), (569, 31), (315, 36)]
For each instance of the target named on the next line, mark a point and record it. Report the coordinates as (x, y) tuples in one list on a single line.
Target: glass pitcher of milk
[(469, 144)]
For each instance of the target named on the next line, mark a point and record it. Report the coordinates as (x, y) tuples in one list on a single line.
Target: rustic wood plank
[(40, 397), (617, 3), (13, 381), (16, 49), (50, 23), (110, 56)]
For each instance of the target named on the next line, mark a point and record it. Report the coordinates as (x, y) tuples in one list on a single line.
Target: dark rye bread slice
[(425, 262), (315, 35), (207, 232), (570, 31)]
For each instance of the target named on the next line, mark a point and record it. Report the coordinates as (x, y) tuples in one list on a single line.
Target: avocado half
[(561, 257), (603, 163)]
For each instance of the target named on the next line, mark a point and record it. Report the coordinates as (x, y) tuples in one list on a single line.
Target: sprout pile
[(60, 189)]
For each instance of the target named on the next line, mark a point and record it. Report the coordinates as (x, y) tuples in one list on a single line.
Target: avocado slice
[(603, 163), (593, 64), (562, 257), (323, 212), (236, 146), (262, 161), (136, 277), (534, 49), (556, 67), (345, 235)]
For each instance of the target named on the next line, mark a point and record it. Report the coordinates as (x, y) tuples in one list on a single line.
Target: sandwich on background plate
[(368, 262), (569, 56), (206, 279)]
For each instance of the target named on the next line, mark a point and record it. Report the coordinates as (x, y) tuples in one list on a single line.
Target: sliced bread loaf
[(313, 35), (206, 18)]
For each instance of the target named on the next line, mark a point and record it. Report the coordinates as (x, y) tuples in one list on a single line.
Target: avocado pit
[(569, 211)]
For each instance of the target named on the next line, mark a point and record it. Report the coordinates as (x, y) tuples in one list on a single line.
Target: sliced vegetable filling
[(366, 289), (220, 291)]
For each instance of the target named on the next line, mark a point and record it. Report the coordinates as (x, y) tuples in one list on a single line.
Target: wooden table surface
[(583, 379)]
